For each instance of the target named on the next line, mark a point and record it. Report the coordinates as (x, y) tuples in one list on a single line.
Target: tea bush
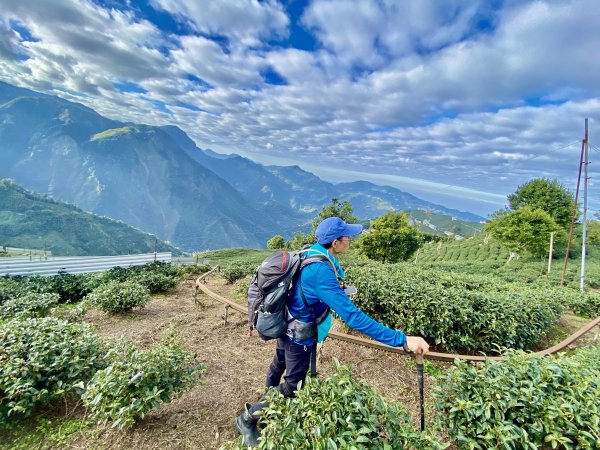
[(13, 287), (136, 381), (157, 276), (185, 270), (236, 270), (340, 412), (587, 305), (71, 288), (527, 401), (115, 296), (30, 304), (155, 281), (42, 360), (457, 312)]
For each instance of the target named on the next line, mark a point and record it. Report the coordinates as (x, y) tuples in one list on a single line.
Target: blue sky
[(458, 102)]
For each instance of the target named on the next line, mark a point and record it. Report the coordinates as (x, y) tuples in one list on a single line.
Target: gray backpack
[(269, 291)]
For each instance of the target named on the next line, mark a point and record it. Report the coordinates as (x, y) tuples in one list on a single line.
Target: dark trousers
[(294, 360)]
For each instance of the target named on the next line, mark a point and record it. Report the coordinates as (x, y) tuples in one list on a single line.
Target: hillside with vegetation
[(31, 220), (484, 254), (442, 224)]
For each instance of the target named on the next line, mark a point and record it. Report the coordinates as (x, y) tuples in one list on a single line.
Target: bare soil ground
[(203, 417)]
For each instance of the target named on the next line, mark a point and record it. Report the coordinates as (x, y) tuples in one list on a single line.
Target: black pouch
[(303, 330)]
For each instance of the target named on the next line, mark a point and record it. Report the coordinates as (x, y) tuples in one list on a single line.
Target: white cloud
[(245, 22), (405, 88), (8, 42), (207, 60), (368, 32)]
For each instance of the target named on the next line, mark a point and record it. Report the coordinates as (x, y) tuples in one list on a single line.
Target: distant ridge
[(30, 220)]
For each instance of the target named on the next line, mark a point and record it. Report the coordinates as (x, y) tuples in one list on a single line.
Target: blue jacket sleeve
[(329, 291)]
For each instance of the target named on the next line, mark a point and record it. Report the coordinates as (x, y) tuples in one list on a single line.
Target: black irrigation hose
[(449, 357)]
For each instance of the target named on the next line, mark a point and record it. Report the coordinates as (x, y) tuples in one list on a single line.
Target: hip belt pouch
[(303, 330)]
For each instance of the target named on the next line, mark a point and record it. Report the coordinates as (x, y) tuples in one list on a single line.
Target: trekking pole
[(419, 361)]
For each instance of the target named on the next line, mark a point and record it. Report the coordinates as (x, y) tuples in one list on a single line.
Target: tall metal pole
[(551, 249), (574, 217), (584, 234)]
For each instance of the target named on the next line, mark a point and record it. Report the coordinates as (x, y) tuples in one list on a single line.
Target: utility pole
[(574, 216), (584, 234), (551, 249)]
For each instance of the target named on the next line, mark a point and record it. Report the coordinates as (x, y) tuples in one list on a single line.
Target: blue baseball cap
[(334, 228)]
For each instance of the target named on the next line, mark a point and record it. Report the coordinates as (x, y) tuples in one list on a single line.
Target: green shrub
[(115, 296), (70, 312), (587, 305), (30, 304), (185, 270), (341, 412), (42, 360), (136, 381), (527, 401), (17, 286), (71, 288), (237, 269), (156, 281), (458, 312), (158, 276), (116, 274)]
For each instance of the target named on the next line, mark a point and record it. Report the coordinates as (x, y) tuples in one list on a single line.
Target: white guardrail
[(75, 264)]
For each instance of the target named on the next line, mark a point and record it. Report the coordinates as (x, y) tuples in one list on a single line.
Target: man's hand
[(417, 345)]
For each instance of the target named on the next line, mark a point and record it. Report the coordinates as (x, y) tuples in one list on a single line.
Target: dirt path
[(236, 367)]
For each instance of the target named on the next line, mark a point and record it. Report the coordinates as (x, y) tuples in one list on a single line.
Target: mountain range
[(157, 180)]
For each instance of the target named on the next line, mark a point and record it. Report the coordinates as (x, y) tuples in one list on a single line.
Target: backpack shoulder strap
[(319, 257)]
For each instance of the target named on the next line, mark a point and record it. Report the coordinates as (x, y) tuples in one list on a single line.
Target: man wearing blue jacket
[(318, 291)]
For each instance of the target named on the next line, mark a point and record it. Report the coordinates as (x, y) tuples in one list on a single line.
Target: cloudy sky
[(458, 102)]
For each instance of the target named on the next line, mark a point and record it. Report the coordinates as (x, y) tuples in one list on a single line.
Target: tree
[(525, 229), (342, 209), (276, 242), (391, 238), (300, 239), (547, 195), (593, 232)]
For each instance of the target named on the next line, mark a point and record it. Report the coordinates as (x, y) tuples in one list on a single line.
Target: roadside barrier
[(201, 285), (76, 264)]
